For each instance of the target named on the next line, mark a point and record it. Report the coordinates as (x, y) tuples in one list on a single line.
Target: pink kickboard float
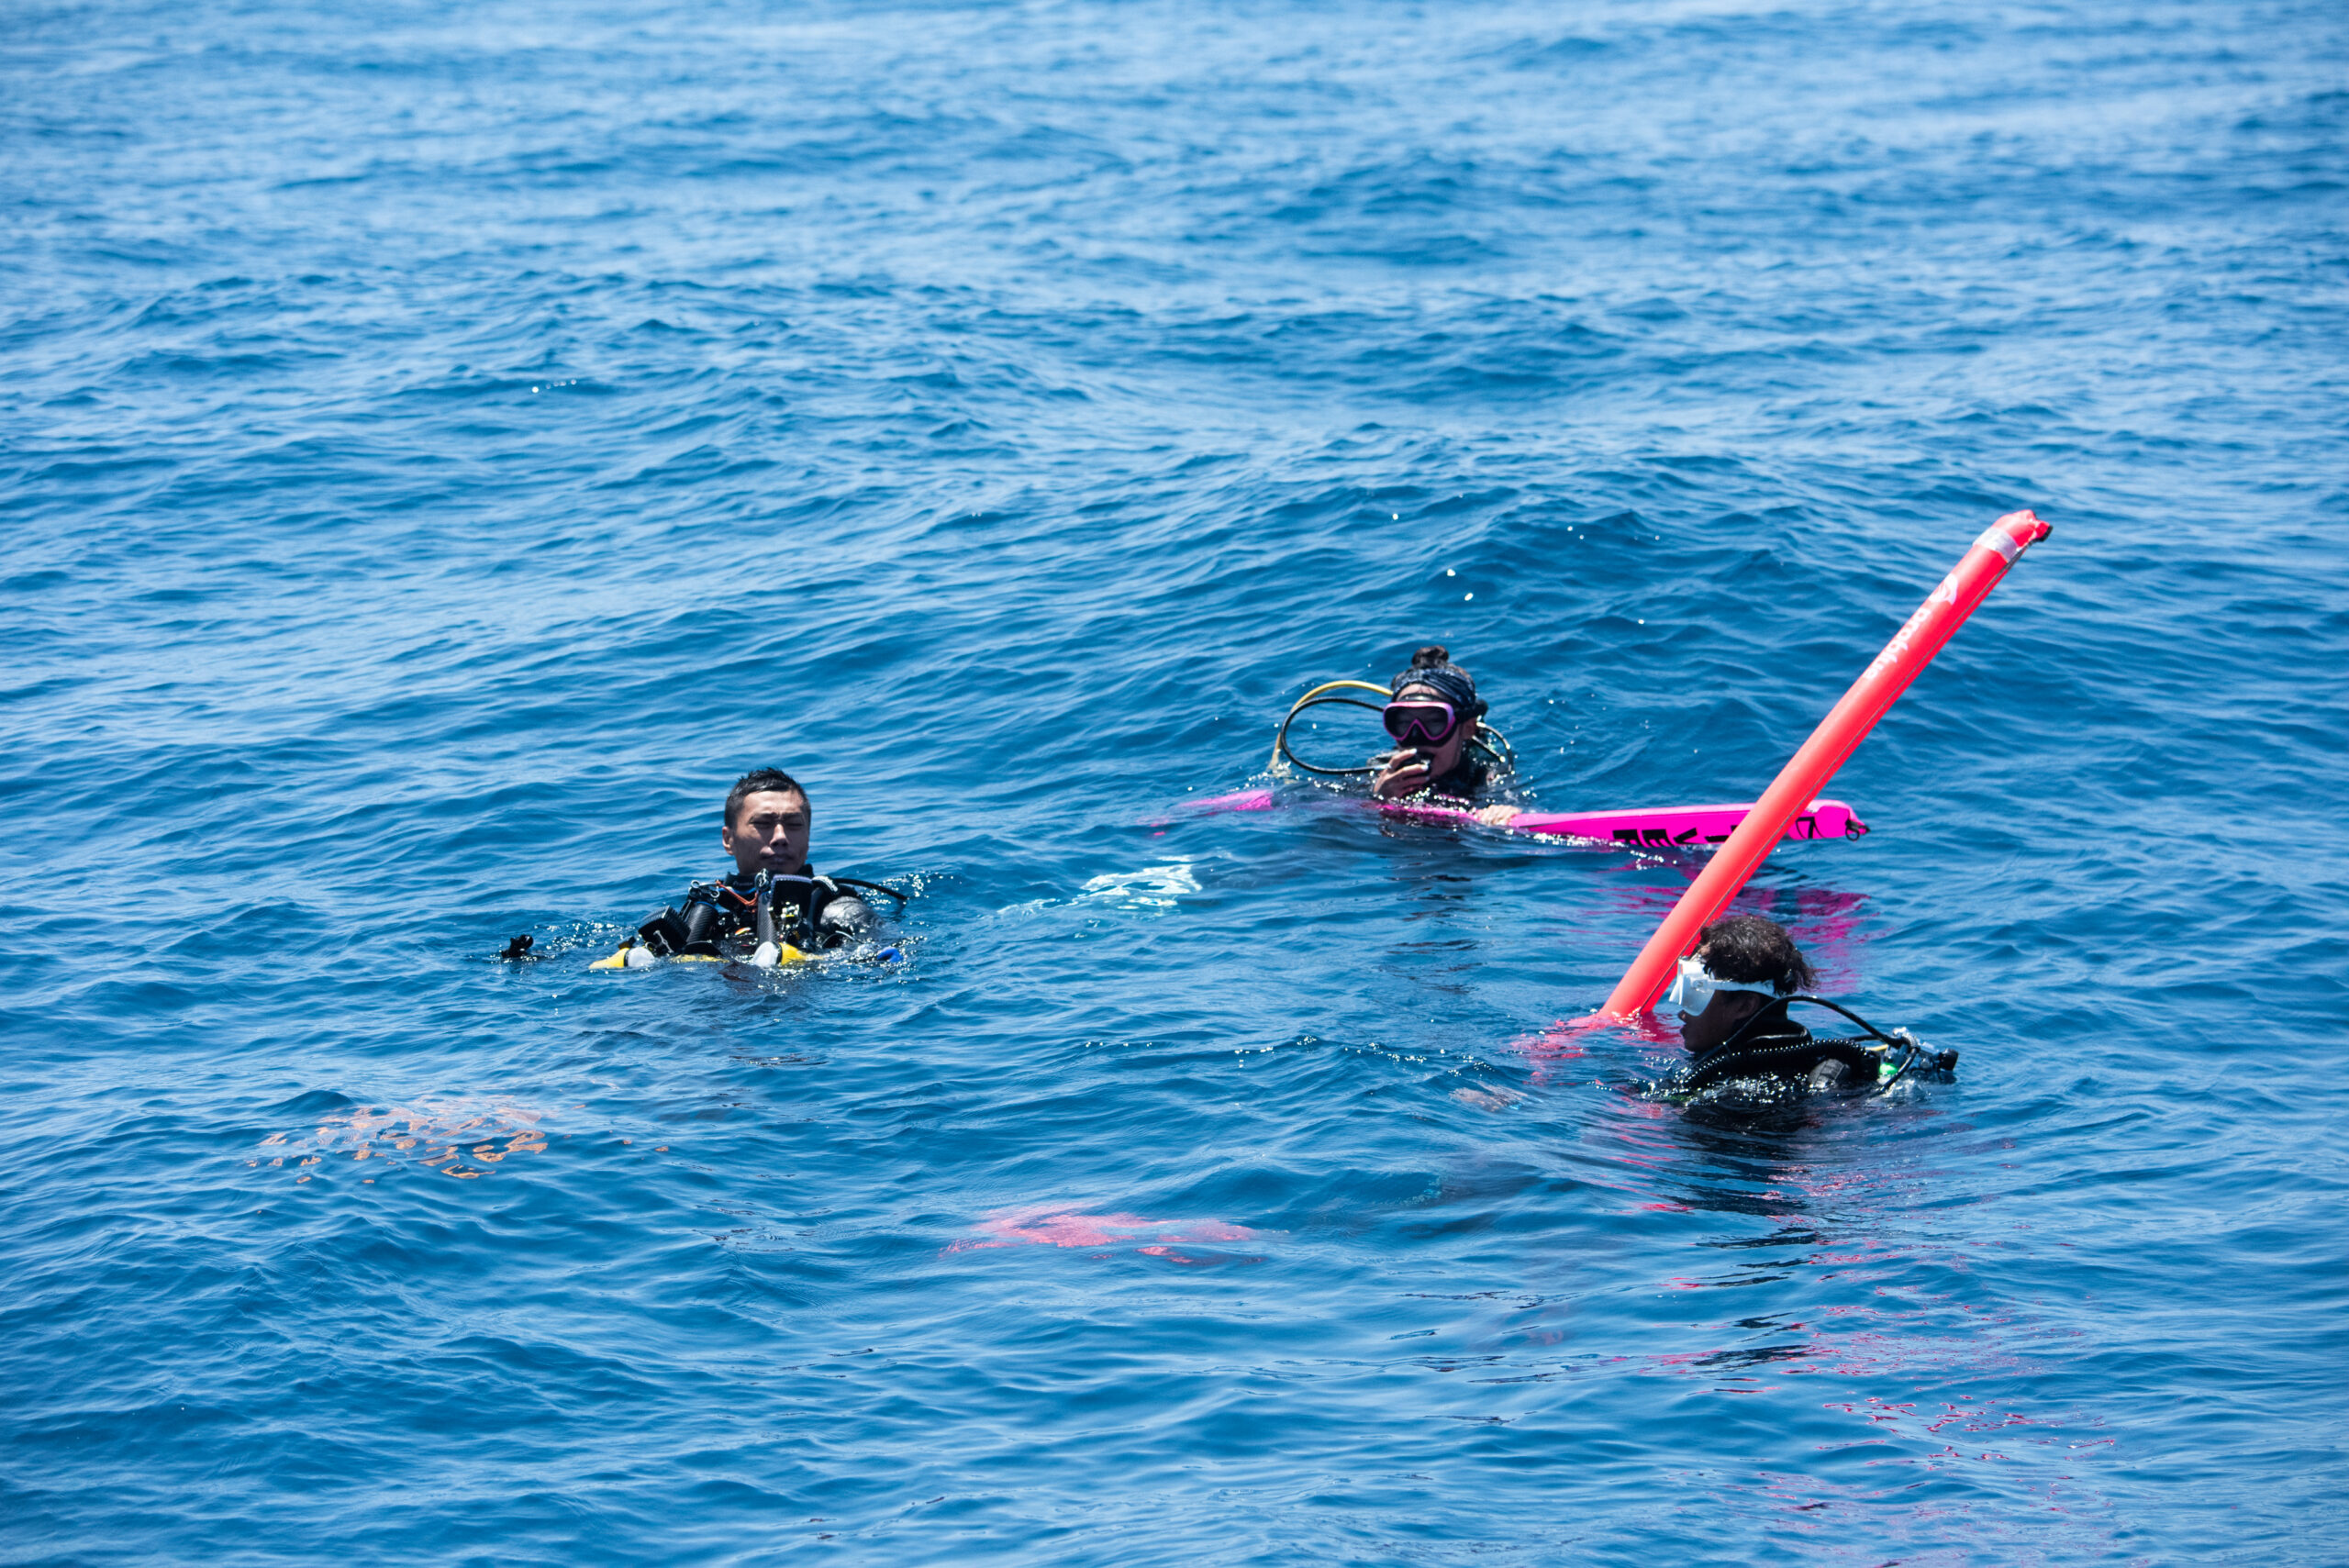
[(1661, 826)]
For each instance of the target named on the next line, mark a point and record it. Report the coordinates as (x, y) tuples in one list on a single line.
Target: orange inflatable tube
[(1910, 650)]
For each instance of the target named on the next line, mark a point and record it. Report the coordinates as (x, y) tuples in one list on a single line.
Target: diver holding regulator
[(1733, 994), (1436, 719), (1445, 753), (775, 908)]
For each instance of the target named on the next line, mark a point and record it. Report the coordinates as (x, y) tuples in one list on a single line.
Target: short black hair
[(1754, 951), (758, 780)]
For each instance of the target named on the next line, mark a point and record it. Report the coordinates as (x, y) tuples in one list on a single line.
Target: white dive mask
[(1693, 987)]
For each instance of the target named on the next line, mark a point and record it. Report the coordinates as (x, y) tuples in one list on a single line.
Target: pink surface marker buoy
[(1886, 676)]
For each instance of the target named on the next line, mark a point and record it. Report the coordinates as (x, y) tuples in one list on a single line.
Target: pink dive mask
[(1422, 719)]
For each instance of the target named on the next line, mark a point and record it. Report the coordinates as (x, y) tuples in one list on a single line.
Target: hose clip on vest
[(762, 911)]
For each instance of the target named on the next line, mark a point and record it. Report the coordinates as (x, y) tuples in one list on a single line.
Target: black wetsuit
[(1772, 1045), (1468, 779), (809, 911), (1464, 783)]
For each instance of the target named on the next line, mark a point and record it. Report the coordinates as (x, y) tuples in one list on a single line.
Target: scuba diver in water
[(1732, 994), (1444, 754), (775, 908), (1434, 716)]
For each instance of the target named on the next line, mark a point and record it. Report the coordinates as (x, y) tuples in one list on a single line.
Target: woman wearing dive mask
[(1432, 717)]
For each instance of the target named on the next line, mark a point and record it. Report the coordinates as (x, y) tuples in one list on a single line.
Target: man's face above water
[(1721, 1018), (769, 832)]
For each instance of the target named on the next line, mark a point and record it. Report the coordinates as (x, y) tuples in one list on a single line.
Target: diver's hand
[(1496, 815), (1405, 773)]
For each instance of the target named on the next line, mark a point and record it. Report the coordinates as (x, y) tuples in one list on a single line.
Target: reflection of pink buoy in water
[(1886, 676), (1065, 1227), (1244, 800), (1824, 925)]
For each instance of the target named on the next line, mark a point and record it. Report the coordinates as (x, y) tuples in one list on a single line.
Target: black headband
[(1454, 684)]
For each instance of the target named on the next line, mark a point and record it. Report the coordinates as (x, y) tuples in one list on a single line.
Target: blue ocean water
[(444, 445)]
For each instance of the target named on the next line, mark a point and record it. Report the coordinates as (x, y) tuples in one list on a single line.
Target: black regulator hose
[(1490, 742), (1717, 1062), (902, 898), (1314, 699)]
